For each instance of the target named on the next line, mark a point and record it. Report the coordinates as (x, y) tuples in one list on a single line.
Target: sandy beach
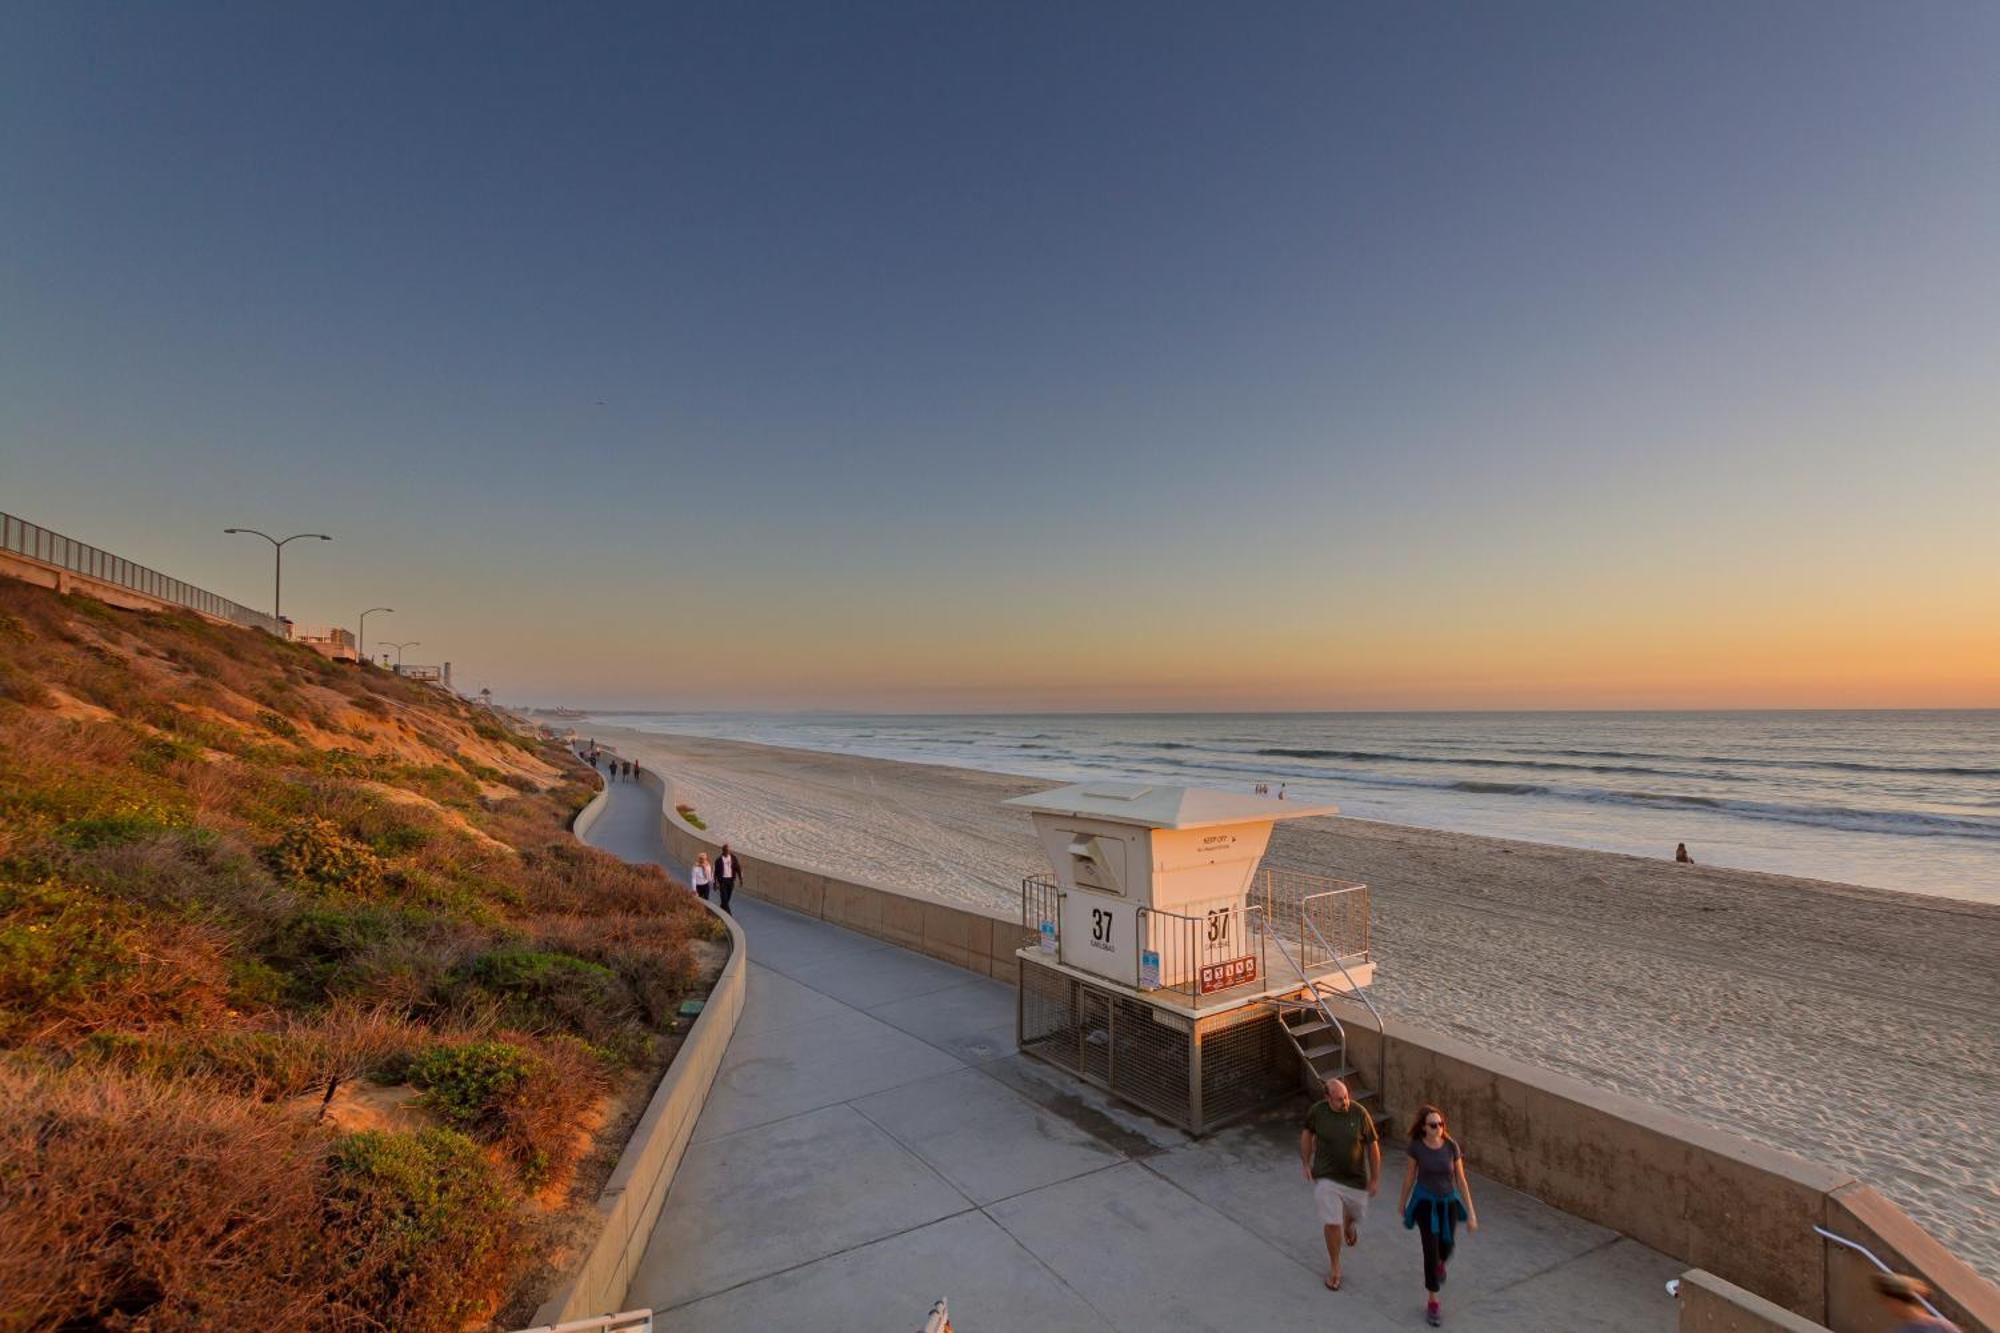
[(1853, 1026)]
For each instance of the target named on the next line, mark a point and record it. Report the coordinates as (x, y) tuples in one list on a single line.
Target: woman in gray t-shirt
[(1436, 1197)]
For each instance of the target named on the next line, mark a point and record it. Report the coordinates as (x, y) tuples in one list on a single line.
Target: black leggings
[(1436, 1251)]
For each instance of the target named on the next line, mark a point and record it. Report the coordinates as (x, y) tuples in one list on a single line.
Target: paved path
[(874, 1141)]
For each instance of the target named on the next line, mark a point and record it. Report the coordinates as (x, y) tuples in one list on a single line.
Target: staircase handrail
[(1869, 1255), (1382, 1031), (1318, 1002)]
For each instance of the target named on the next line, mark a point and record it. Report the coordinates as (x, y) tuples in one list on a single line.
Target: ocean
[(1894, 800)]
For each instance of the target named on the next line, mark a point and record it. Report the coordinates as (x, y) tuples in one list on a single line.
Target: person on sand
[(1341, 1155), (700, 876), (1681, 854), (1904, 1297), (728, 870), (1436, 1197)]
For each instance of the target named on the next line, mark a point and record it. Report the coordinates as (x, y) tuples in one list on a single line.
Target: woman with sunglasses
[(1436, 1198)]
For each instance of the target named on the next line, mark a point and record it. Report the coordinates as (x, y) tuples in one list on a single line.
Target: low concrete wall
[(959, 935), (585, 819), (1743, 1212), (1710, 1305), (632, 1198)]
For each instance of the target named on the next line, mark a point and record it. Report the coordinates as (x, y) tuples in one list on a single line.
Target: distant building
[(430, 675), (327, 640)]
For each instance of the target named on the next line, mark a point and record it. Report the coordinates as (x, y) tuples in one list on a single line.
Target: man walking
[(727, 871), (1341, 1155)]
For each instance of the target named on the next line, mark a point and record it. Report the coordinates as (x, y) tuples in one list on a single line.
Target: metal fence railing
[(52, 548), (1212, 953)]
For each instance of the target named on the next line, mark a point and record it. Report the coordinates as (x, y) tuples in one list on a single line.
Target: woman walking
[(1436, 1198), (700, 876)]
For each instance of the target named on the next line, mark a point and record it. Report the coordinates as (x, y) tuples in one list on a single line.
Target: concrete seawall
[(632, 1197), (1716, 1201)]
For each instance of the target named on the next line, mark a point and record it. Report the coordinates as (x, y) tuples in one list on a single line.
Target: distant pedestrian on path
[(1904, 1299), (1436, 1198), (1681, 854), (728, 870), (1341, 1155), (700, 876)]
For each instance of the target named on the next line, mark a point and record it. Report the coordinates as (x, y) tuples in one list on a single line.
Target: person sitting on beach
[(1436, 1197), (1341, 1155), (700, 876), (1904, 1297), (1681, 854)]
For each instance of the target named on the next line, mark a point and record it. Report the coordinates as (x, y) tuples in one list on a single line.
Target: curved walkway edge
[(631, 1200)]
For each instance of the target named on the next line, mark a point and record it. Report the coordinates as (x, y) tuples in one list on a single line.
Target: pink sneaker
[(1432, 1315)]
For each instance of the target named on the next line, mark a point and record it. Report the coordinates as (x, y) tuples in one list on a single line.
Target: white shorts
[(1339, 1203)]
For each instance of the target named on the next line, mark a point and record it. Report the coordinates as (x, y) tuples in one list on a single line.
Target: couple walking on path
[(722, 876), (1341, 1154)]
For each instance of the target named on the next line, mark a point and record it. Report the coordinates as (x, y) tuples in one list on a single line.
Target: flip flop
[(1352, 1233), (1333, 1284)]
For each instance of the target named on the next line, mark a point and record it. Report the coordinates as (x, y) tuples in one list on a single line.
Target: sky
[(942, 357)]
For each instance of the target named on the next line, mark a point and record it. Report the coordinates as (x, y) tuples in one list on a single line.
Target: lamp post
[(399, 647), (361, 650), (278, 551)]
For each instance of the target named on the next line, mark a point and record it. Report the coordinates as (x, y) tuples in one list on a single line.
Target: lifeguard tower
[(1173, 968)]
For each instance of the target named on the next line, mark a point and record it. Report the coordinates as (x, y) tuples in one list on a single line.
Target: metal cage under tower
[(1196, 1072)]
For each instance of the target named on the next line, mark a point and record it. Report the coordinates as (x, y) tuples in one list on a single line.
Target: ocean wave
[(1912, 823), (1831, 765), (1480, 761)]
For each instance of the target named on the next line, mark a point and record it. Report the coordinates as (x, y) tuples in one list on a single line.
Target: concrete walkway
[(874, 1142)]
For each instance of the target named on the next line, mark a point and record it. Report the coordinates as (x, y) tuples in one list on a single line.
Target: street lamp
[(361, 651), (399, 647), (278, 550)]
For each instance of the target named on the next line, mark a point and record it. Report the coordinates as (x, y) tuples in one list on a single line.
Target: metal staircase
[(1320, 1038)]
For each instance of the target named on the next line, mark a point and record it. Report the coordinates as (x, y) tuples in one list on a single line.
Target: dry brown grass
[(132, 1203)]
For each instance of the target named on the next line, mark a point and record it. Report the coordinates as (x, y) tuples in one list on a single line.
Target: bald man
[(1341, 1156)]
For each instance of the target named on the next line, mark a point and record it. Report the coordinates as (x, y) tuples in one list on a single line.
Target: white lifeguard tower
[(1171, 966)]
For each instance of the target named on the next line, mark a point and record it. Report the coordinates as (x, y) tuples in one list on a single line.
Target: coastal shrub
[(436, 1233), (314, 853), (111, 830), (687, 813), (649, 954), (157, 754), (468, 1085), (72, 963), (524, 1101), (546, 991), (195, 873), (23, 687)]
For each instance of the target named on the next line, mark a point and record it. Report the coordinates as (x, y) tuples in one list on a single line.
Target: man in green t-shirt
[(1341, 1155)]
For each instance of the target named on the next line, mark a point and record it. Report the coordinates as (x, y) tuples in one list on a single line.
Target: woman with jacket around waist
[(1436, 1197)]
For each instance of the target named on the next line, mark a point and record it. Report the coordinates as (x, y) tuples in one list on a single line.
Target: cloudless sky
[(940, 356)]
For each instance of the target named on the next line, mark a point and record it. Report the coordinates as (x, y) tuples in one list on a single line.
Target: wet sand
[(1855, 1027)]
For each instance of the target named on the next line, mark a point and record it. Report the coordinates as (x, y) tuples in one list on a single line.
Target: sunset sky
[(1069, 356)]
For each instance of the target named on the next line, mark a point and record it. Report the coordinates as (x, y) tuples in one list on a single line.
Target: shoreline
[(1855, 1026)]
